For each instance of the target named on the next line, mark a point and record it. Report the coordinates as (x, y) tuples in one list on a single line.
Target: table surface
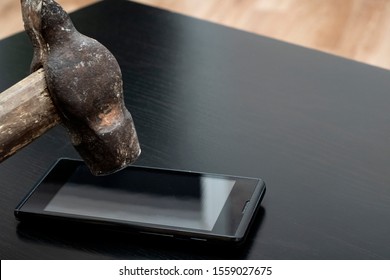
[(209, 98)]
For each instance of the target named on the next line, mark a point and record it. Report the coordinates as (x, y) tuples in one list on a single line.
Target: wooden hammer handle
[(26, 112)]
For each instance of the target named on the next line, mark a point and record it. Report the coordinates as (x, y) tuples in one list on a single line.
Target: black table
[(208, 98)]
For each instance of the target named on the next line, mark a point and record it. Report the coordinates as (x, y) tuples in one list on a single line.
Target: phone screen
[(170, 199)]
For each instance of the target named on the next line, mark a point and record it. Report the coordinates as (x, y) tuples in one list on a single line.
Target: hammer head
[(85, 83)]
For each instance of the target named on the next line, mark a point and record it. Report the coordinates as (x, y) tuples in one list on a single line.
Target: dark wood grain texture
[(208, 98)]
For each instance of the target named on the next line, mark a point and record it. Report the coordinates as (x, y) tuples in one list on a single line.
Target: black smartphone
[(147, 201)]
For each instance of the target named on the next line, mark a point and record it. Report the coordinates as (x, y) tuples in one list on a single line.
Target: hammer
[(75, 81)]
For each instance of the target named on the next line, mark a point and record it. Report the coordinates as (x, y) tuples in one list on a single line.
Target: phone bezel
[(245, 189)]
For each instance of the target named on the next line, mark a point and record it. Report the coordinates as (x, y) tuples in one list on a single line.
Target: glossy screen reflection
[(145, 196)]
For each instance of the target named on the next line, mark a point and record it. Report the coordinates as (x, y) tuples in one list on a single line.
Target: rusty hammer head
[(85, 84)]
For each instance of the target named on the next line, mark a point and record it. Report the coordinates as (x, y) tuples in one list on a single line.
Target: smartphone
[(146, 201)]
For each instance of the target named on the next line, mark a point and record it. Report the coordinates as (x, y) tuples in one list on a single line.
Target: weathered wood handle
[(26, 112)]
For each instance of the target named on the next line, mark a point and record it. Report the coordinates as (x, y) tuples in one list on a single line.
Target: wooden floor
[(356, 29)]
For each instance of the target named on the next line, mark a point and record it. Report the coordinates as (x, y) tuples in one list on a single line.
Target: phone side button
[(156, 234), (198, 239), (245, 206)]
